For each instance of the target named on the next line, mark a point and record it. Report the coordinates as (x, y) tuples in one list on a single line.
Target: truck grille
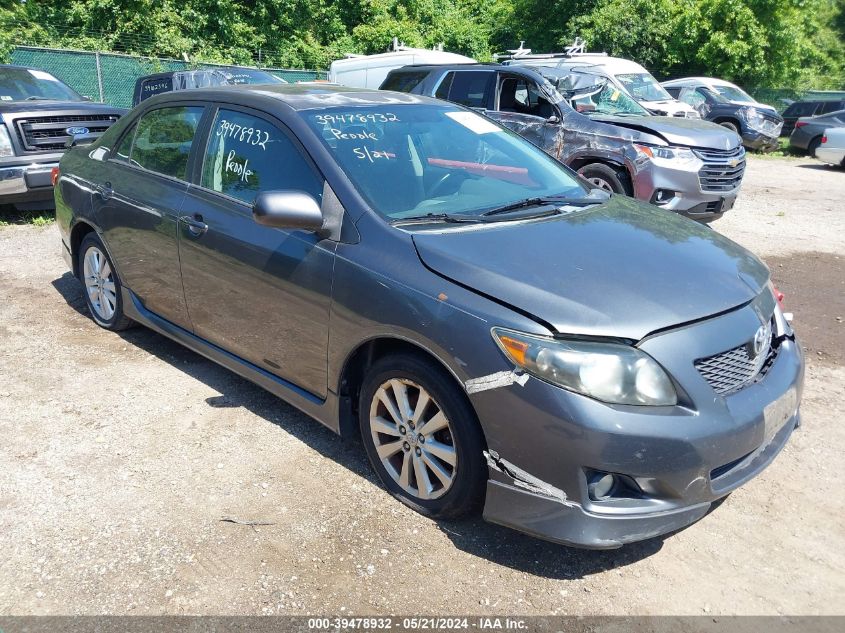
[(732, 370), (47, 133), (722, 170)]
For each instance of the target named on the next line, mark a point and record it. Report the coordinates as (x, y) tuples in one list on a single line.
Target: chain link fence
[(110, 77)]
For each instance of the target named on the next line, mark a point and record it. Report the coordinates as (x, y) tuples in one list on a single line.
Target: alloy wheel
[(99, 283), (413, 439), (601, 184)]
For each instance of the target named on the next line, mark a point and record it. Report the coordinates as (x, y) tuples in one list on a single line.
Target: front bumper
[(683, 458), (758, 141), (26, 183), (677, 187)]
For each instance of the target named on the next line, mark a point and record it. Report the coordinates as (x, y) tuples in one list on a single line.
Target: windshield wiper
[(434, 217), (34, 98), (558, 201)]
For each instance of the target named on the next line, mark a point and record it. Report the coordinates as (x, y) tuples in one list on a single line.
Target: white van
[(626, 75), (368, 71)]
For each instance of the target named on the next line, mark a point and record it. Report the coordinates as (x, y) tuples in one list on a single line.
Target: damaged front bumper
[(680, 459)]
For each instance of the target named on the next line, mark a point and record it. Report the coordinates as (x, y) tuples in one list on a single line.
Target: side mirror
[(86, 98), (287, 210)]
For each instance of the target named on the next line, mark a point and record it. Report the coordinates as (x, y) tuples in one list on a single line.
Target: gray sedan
[(584, 367), (808, 132)]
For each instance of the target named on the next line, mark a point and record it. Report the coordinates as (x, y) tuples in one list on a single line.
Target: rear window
[(403, 82), (151, 87)]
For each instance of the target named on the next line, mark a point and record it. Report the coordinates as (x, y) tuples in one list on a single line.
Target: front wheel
[(101, 284), (731, 126), (607, 178), (422, 437)]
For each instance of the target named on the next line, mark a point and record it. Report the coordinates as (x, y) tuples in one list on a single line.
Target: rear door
[(138, 194), (260, 293)]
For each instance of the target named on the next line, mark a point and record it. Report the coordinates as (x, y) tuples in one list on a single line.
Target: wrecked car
[(584, 367), (151, 85), (730, 106), (684, 165)]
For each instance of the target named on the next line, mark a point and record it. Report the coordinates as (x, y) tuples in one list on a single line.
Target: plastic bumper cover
[(27, 181)]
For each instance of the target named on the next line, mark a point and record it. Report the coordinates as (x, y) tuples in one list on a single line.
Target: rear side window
[(163, 140), (830, 106), (247, 154), (403, 82), (467, 87)]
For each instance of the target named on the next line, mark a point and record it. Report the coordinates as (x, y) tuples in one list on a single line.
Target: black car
[(692, 167), (151, 85), (721, 102), (39, 117), (585, 367), (808, 108)]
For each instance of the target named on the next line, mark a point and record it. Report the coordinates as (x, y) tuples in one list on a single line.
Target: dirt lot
[(120, 454)]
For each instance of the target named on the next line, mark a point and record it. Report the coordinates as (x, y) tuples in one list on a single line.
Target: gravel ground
[(121, 453)]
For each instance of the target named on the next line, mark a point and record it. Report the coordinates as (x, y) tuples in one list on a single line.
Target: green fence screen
[(110, 77)]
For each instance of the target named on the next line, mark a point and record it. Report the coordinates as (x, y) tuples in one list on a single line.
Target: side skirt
[(322, 410)]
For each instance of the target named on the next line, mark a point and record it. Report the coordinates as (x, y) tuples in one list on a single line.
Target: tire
[(102, 294), (607, 178), (731, 126), (813, 145), (459, 439)]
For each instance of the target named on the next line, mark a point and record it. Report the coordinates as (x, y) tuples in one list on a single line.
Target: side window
[(829, 106), (523, 96), (246, 154), (122, 151), (442, 91), (675, 92), (470, 88), (163, 140)]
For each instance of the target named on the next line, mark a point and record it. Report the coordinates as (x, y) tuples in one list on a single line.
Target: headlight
[(5, 142), (610, 372), (675, 154)]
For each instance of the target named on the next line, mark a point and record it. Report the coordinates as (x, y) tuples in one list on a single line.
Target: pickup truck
[(39, 117)]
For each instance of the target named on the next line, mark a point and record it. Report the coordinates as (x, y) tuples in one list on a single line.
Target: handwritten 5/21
[(364, 153)]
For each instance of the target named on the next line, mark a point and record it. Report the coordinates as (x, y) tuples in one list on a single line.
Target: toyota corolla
[(582, 366)]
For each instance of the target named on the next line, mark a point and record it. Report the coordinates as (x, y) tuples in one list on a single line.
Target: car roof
[(698, 81), (295, 96)]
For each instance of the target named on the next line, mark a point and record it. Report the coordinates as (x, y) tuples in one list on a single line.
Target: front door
[(520, 106), (261, 293), (137, 198)]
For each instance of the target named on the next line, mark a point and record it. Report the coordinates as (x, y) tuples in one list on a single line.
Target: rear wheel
[(101, 285), (422, 437), (607, 178), (813, 145)]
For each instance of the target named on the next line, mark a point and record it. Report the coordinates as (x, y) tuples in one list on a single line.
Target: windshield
[(415, 160), (733, 93), (644, 87), (20, 84), (608, 99)]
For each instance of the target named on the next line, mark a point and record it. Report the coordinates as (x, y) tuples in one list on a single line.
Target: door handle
[(196, 226), (105, 191)]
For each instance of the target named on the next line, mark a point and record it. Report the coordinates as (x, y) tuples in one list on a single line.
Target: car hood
[(48, 106), (678, 131), (621, 269)]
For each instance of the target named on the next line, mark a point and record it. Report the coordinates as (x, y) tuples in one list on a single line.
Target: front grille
[(734, 369), (722, 170), (47, 133)]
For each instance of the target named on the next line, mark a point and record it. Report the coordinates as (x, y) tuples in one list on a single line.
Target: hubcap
[(413, 439), (99, 283), (601, 183)]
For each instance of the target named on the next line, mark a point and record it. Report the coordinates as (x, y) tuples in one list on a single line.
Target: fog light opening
[(662, 196), (601, 486)]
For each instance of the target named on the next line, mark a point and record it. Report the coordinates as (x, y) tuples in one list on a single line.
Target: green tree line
[(770, 43)]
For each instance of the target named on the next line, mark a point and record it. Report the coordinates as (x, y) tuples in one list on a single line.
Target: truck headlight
[(754, 118), (677, 155), (614, 373), (5, 142)]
